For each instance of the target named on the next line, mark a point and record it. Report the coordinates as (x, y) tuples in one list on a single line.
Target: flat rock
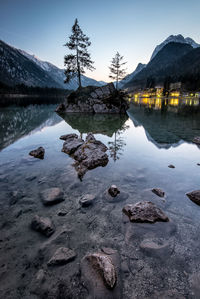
[(71, 145), (52, 196), (171, 166), (43, 225), (194, 196), (38, 153), (113, 190), (158, 192), (144, 211), (69, 136), (87, 200), (196, 140), (62, 256)]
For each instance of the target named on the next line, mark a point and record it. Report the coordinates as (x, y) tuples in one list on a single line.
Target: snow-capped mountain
[(20, 67), (58, 74), (15, 68), (176, 39)]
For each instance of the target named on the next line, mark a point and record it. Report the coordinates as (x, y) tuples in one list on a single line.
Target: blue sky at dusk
[(133, 28)]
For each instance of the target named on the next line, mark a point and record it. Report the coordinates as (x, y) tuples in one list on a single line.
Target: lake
[(160, 260)]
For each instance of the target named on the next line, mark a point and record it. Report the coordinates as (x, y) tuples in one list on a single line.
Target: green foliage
[(117, 73), (79, 60)]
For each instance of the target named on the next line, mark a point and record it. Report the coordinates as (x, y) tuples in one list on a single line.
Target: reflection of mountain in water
[(167, 127), (16, 122), (105, 124)]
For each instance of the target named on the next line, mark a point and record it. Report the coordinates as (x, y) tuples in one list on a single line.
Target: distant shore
[(27, 99)]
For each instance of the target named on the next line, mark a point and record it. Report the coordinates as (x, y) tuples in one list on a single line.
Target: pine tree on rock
[(116, 69), (79, 60)]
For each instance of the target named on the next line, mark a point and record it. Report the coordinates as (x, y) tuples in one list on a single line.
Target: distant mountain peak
[(17, 67), (177, 39)]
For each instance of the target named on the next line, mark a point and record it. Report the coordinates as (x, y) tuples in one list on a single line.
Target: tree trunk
[(78, 68), (117, 79)]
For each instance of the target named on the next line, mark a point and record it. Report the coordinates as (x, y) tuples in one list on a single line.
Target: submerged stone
[(87, 200), (171, 166), (144, 211), (113, 190), (38, 153), (121, 196), (43, 225), (155, 246), (52, 196), (194, 196), (62, 256), (158, 192)]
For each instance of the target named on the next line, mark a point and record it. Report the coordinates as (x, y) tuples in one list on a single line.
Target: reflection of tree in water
[(116, 147)]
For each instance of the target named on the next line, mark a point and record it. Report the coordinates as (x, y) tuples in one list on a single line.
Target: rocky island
[(92, 99)]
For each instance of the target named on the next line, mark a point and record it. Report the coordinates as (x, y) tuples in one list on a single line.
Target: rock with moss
[(92, 99)]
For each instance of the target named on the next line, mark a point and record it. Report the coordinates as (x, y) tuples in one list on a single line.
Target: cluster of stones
[(99, 269), (104, 99), (88, 154)]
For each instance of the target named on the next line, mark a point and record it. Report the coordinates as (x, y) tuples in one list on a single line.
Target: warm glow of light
[(175, 94), (174, 102)]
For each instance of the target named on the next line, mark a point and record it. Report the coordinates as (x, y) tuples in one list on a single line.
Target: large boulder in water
[(38, 153), (88, 154), (92, 99)]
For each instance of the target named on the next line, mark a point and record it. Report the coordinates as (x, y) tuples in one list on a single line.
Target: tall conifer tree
[(79, 60), (116, 69)]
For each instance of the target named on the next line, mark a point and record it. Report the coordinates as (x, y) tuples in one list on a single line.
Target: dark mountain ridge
[(175, 62), (15, 69), (19, 67)]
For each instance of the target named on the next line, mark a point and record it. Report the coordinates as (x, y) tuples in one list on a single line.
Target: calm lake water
[(155, 133)]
